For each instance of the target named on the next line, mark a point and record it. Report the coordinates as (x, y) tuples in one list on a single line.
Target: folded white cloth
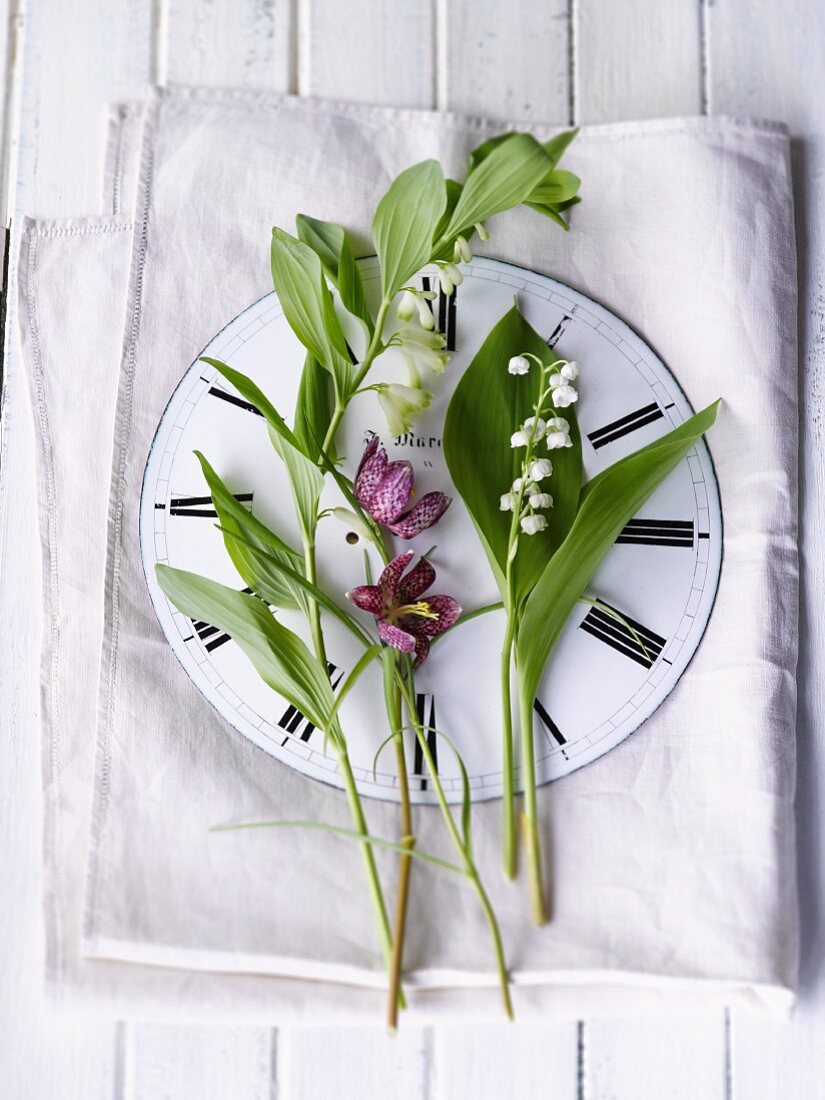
[(673, 856)]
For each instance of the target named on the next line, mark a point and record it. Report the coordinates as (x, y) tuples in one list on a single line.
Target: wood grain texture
[(681, 1059), (242, 44), (639, 60), (182, 1063), (490, 1061), (370, 51), (506, 60), (765, 59)]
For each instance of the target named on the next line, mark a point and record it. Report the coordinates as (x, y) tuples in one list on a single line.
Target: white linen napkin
[(672, 857)]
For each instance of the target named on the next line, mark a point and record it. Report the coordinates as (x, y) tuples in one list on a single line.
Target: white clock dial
[(600, 685)]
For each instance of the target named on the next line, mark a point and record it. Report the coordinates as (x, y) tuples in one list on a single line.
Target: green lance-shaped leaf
[(332, 246), (608, 502), (299, 282), (445, 249), (504, 178), (557, 146), (488, 405), (554, 148), (279, 656), (313, 408), (405, 221), (243, 535), (305, 479)]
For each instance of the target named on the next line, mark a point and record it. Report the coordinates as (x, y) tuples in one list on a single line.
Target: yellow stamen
[(422, 608)]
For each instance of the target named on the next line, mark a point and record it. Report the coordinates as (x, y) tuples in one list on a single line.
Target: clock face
[(600, 683)]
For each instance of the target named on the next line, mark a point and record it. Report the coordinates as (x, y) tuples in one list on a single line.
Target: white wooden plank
[(639, 60), (243, 44), (100, 53), (765, 59), (353, 1064), (372, 51), (489, 1061), (184, 1063), (506, 60), (674, 1057)]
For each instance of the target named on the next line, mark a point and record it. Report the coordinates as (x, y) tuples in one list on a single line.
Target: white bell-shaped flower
[(564, 395), (570, 371), (536, 426), (401, 405), (507, 502), (557, 440), (541, 467), (519, 365), (461, 250), (531, 525), (541, 500), (519, 439)]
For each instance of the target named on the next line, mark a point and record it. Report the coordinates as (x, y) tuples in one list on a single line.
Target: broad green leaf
[(313, 408), (554, 212), (242, 531), (279, 656), (331, 244), (488, 405), (305, 479), (608, 502), (299, 282), (557, 186), (445, 252), (557, 146), (502, 180), (265, 562), (404, 223)]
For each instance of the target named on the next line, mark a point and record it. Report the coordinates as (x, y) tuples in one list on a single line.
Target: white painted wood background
[(580, 61)]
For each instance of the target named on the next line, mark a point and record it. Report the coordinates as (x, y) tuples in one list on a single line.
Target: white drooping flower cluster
[(526, 496)]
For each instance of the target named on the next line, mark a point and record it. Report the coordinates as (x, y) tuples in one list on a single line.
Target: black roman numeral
[(613, 632), (445, 316), (658, 532), (232, 399), (558, 331), (201, 506), (549, 724), (426, 719), (211, 637), (297, 724), (624, 425)]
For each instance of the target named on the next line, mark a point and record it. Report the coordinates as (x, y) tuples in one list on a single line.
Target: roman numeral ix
[(298, 724), (624, 425), (445, 318), (201, 506), (627, 637), (425, 705), (658, 532)]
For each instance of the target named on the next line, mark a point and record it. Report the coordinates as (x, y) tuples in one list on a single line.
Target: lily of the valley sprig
[(544, 532), (422, 219)]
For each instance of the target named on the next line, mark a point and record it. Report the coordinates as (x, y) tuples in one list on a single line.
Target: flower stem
[(393, 698), (532, 842), (508, 800), (350, 786), (467, 860)]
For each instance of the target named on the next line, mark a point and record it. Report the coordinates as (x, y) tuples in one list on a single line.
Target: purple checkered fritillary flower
[(405, 620), (383, 489)]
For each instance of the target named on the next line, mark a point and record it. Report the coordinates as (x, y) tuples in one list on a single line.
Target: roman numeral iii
[(658, 532), (201, 506), (624, 425), (625, 635)]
